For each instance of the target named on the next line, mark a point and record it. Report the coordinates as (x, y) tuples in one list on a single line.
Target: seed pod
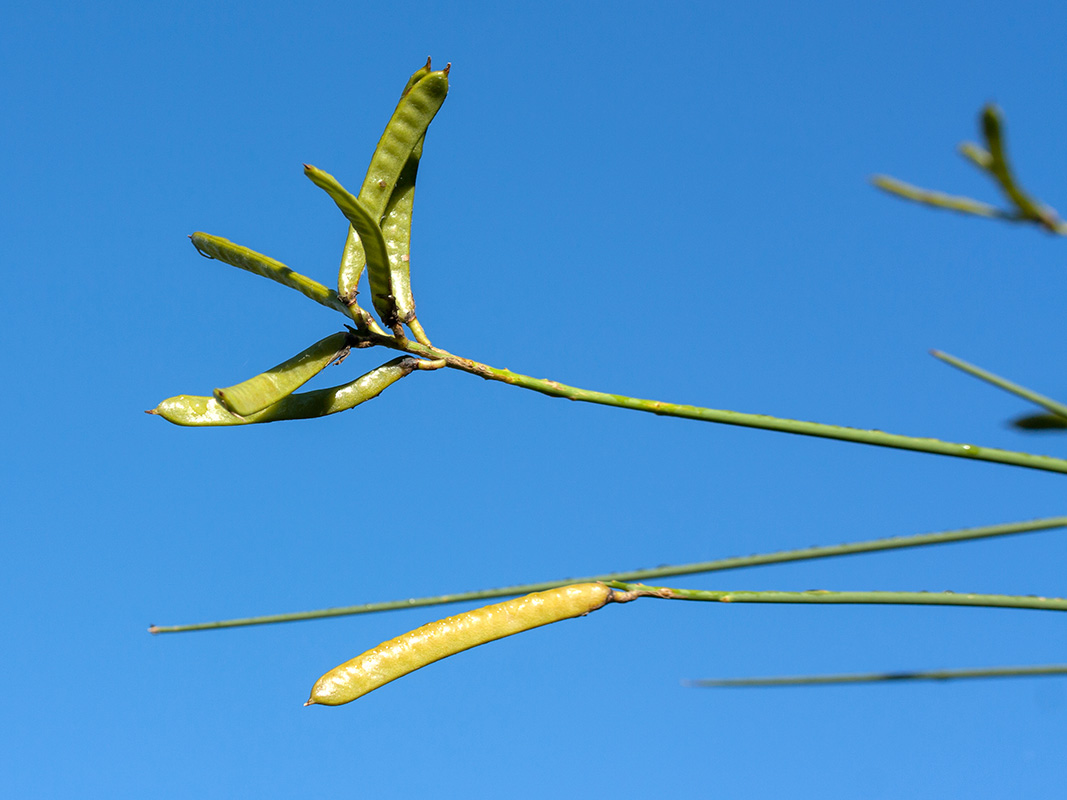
[(396, 230), (419, 103), (370, 236), (279, 382), (207, 411), (241, 257), (443, 638), (413, 115)]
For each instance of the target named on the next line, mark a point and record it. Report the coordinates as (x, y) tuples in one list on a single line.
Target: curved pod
[(370, 237), (446, 637), (196, 411), (267, 388)]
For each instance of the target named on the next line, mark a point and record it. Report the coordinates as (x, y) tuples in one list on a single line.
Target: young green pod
[(367, 226), (396, 230), (195, 411), (417, 76), (243, 258), (417, 107), (446, 637), (267, 388), (419, 103)]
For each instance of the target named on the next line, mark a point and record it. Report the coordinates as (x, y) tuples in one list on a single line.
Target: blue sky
[(667, 202)]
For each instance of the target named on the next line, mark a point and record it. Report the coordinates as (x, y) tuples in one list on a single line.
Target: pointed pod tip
[(152, 410), (310, 702), (448, 67)]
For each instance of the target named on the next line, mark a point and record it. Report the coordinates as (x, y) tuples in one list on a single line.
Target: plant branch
[(879, 677), (950, 202), (822, 596), (762, 421), (1059, 409), (720, 565)]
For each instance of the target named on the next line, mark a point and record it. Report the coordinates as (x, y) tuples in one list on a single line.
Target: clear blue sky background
[(666, 200)]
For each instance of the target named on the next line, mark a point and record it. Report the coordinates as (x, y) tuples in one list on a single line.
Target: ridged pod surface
[(194, 411), (391, 172), (369, 229), (446, 637), (243, 258), (269, 387)]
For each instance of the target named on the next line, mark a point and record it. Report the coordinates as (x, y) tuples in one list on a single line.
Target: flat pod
[(243, 258), (413, 115), (371, 240), (269, 387), (419, 103), (194, 411), (396, 230), (446, 637)]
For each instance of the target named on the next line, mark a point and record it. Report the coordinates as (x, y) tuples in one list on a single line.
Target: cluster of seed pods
[(379, 242)]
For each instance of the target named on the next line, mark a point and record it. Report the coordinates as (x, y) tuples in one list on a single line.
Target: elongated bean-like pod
[(396, 229), (368, 228), (417, 76), (1029, 208), (279, 382), (446, 637), (413, 115), (243, 258), (208, 412), (353, 260), (402, 135)]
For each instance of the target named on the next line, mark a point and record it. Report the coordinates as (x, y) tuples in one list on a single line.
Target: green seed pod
[(419, 103), (269, 387), (417, 76), (396, 230), (241, 257), (446, 637), (208, 412), (413, 115), (369, 230)]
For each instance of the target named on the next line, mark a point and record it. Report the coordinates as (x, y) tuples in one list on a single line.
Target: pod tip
[(151, 411), (310, 702)]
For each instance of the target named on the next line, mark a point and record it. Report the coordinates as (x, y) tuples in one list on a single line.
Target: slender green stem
[(762, 421), (1021, 391), (720, 565), (822, 596), (878, 677)]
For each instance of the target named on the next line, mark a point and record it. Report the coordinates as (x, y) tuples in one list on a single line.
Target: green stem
[(762, 421), (737, 562), (1021, 391), (877, 677), (822, 596)]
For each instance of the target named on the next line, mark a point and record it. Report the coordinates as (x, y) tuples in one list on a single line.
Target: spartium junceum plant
[(378, 244)]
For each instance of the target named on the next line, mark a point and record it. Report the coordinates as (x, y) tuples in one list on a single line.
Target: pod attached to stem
[(193, 411), (446, 637), (267, 388)]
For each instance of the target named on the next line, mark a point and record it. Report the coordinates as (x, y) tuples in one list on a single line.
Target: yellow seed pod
[(446, 637)]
